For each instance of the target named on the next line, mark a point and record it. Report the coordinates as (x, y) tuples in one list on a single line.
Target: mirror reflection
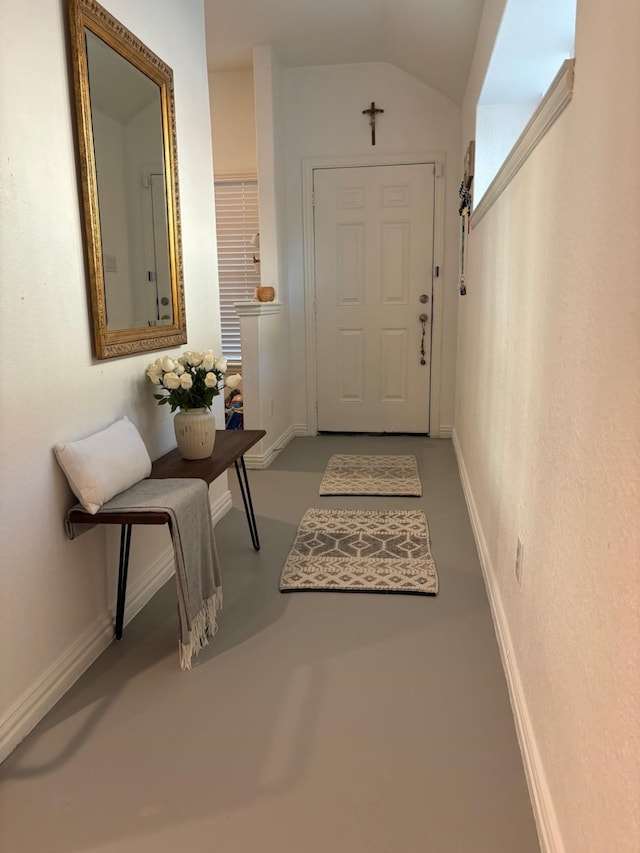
[(126, 127), (127, 138)]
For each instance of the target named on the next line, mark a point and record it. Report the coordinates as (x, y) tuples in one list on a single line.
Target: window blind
[(237, 220)]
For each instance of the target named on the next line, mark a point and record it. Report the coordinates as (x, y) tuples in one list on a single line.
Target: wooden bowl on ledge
[(265, 294)]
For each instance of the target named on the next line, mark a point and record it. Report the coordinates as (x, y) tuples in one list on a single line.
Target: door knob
[(423, 318)]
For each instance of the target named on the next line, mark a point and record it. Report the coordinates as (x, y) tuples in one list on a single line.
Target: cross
[(371, 112)]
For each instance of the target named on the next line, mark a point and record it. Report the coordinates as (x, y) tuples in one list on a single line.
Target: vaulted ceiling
[(433, 40)]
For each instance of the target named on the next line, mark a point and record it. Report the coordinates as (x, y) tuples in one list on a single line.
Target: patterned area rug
[(371, 475), (361, 551)]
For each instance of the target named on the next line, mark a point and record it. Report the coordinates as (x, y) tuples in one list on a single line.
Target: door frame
[(309, 165)]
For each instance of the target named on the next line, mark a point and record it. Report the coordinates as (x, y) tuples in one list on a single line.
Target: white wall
[(546, 427), (54, 591), (246, 120), (267, 70), (307, 112), (323, 117), (270, 407), (233, 122)]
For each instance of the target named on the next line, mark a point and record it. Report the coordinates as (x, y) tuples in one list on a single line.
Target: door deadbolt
[(424, 298)]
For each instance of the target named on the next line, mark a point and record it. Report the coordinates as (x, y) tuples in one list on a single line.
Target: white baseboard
[(445, 431), (543, 809), (221, 507), (259, 461), (38, 700), (53, 684)]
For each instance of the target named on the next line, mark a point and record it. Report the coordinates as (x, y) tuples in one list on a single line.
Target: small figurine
[(234, 412)]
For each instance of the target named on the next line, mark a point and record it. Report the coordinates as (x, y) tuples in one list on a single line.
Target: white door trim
[(308, 166)]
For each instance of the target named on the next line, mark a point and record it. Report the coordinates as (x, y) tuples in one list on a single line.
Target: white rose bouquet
[(192, 380)]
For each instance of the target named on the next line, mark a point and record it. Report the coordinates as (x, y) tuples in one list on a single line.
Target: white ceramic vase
[(195, 432)]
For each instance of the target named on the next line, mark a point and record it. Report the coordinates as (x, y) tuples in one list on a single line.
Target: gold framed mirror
[(125, 115)]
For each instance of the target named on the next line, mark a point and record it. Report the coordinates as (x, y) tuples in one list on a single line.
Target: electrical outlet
[(519, 560)]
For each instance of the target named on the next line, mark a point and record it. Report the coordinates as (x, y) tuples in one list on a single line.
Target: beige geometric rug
[(361, 551), (371, 475)]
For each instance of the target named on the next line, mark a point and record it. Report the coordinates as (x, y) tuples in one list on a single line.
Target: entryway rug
[(361, 551), (371, 475)]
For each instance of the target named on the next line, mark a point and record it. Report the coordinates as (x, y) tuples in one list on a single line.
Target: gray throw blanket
[(196, 560)]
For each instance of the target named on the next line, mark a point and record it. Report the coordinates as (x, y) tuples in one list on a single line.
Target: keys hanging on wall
[(423, 319)]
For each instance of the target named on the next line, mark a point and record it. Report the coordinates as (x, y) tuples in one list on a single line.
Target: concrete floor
[(314, 722)]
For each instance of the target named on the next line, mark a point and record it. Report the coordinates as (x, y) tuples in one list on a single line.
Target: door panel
[(350, 264), (351, 355), (395, 262), (394, 353), (373, 233)]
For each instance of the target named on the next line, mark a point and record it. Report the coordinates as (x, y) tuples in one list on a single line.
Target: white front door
[(156, 261), (373, 240)]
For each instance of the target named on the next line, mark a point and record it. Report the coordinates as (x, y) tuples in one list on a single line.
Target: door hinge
[(439, 170), (436, 272), (313, 199)]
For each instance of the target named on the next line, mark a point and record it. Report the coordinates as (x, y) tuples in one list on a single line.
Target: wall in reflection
[(127, 136)]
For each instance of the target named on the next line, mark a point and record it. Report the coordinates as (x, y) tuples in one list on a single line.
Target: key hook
[(423, 319)]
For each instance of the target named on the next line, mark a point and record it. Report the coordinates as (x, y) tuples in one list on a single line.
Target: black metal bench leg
[(123, 568), (241, 471)]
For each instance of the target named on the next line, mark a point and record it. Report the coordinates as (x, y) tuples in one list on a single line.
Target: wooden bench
[(229, 449)]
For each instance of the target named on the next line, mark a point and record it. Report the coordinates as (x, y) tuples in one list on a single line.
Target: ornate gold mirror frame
[(127, 143)]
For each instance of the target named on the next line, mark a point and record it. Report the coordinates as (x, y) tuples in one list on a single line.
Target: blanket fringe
[(203, 626)]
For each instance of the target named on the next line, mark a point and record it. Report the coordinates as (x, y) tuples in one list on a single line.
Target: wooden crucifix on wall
[(371, 112)]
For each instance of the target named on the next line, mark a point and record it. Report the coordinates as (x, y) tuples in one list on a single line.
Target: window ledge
[(557, 97), (259, 309)]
